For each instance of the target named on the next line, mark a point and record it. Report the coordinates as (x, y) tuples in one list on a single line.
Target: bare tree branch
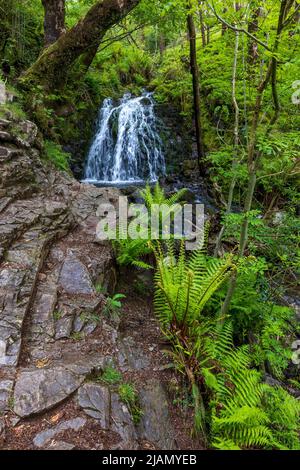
[(238, 29)]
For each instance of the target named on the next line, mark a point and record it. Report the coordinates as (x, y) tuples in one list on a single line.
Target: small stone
[(14, 421), (122, 424), (5, 136), (63, 327)]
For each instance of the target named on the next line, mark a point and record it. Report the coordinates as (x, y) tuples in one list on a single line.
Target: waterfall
[(126, 147)]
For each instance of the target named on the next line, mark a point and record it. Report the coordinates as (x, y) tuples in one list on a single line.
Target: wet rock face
[(176, 140)]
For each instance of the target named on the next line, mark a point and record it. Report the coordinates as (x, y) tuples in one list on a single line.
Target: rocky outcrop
[(55, 341)]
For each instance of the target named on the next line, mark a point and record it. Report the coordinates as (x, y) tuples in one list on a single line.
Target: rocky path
[(55, 341)]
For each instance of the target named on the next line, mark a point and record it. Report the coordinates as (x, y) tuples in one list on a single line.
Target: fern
[(184, 286), (247, 413), (244, 412), (284, 413), (130, 252), (157, 195)]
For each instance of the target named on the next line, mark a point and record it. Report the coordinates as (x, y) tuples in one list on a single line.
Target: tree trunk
[(52, 67), (202, 25), (253, 156), (224, 27), (196, 90), (253, 29), (235, 143), (54, 20)]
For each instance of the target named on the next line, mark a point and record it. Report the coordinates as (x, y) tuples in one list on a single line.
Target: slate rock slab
[(95, 400), (2, 432), (74, 277), (122, 424), (131, 356), (41, 389), (6, 387), (155, 423), (42, 438)]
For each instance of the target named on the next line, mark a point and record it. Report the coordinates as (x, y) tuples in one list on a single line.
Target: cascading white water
[(127, 147)]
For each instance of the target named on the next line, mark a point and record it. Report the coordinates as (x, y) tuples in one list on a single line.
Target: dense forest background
[(226, 79)]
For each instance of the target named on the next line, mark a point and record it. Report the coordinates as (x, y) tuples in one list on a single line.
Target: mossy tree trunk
[(51, 69), (54, 20)]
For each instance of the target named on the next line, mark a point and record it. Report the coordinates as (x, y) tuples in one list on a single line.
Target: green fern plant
[(245, 412), (185, 285), (132, 252), (113, 304), (157, 195), (284, 413)]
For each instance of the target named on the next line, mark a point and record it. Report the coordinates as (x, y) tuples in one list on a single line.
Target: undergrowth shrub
[(56, 155), (233, 408)]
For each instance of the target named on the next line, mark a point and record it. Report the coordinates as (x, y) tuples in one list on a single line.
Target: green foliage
[(134, 251), (57, 315), (284, 413), (237, 415), (122, 68), (113, 305), (240, 412), (185, 285), (129, 396), (21, 27), (131, 251), (13, 108), (77, 336), (173, 82), (111, 376), (245, 412), (90, 316), (56, 155), (100, 289), (157, 195), (256, 316)]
